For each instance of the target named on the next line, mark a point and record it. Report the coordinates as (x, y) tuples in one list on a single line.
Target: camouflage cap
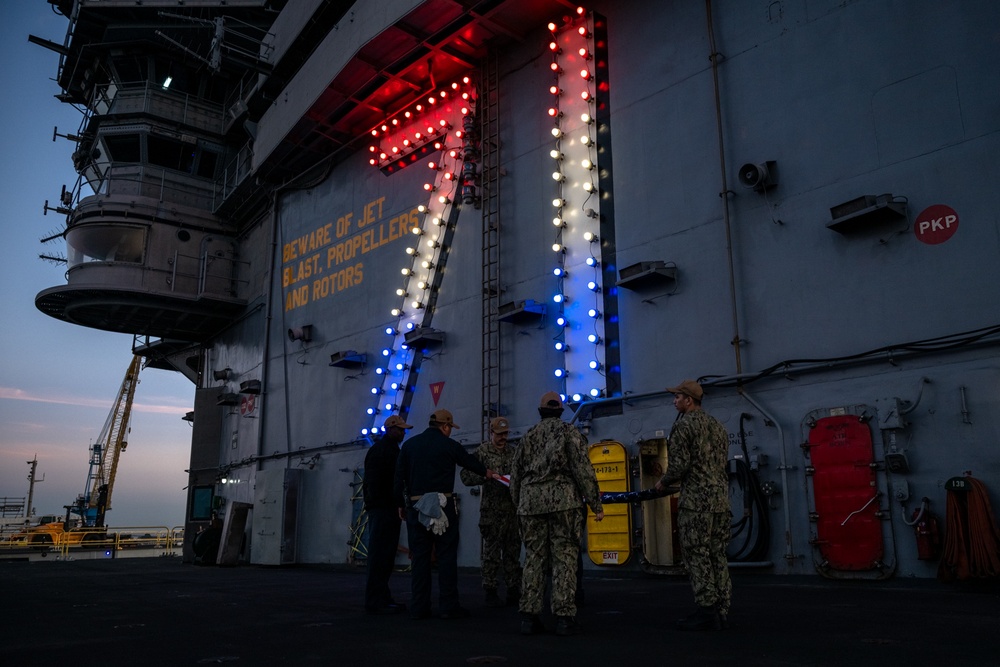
[(550, 399), (443, 418), (396, 420), (499, 425), (688, 388)]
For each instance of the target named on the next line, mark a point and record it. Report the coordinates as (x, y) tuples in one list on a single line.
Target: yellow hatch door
[(608, 541), (660, 544)]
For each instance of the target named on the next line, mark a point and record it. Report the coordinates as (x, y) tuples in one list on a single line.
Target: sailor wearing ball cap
[(697, 451), (551, 472), (426, 467), (383, 517), (498, 522), (688, 388)]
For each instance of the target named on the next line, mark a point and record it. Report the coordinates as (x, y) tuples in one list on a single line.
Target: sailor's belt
[(446, 495)]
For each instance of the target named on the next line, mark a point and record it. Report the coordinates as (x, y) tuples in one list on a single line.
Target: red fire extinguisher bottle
[(928, 533)]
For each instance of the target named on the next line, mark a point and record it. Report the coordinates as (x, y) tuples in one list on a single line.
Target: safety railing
[(146, 97), (157, 184), (235, 171), (117, 542)]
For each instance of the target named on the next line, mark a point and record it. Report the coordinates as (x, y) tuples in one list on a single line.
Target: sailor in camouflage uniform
[(696, 458), (550, 474), (497, 517)]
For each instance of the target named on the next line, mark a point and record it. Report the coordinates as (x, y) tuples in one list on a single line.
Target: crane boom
[(110, 444)]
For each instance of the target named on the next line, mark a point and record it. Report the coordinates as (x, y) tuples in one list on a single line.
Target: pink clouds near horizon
[(13, 394)]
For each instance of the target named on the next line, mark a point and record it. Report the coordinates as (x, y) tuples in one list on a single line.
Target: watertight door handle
[(858, 511)]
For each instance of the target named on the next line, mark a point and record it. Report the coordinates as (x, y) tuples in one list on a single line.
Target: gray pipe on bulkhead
[(714, 56), (783, 466)]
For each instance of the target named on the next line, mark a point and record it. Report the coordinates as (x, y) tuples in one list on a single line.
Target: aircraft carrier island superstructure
[(326, 212)]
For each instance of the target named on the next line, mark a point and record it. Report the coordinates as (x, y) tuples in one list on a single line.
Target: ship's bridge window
[(207, 162), (182, 79), (123, 147), (130, 68), (105, 243), (170, 153), (197, 159)]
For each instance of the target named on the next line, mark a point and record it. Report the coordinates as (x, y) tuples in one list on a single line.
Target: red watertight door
[(845, 494)]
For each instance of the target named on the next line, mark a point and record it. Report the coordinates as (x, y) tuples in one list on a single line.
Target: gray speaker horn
[(759, 176), (303, 333)]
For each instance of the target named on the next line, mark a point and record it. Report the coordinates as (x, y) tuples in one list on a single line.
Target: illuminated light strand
[(559, 202), (419, 272), (588, 165), (578, 295), (421, 128)]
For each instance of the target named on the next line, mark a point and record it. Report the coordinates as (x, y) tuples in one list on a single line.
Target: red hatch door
[(845, 490)]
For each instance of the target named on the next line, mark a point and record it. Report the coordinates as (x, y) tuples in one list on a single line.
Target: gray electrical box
[(275, 516), (890, 413)]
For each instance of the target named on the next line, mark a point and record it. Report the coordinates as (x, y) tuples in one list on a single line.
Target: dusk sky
[(58, 380)]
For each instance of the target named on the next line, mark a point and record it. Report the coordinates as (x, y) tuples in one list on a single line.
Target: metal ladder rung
[(489, 115)]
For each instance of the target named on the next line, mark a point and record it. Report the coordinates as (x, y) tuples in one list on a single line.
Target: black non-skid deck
[(159, 611)]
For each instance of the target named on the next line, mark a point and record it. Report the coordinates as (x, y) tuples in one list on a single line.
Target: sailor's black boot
[(706, 618), (531, 624), (566, 626)]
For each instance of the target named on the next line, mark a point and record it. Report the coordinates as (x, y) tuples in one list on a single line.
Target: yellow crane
[(92, 504), (107, 450)]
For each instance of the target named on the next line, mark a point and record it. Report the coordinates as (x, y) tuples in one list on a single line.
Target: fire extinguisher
[(928, 532)]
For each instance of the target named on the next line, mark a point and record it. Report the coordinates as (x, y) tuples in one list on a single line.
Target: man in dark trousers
[(697, 452), (383, 518), (424, 493)]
